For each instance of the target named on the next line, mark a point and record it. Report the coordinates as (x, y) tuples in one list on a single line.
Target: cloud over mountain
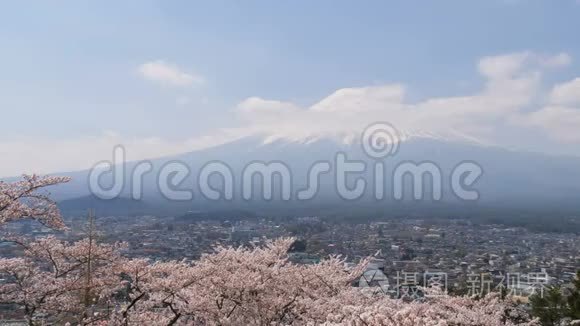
[(513, 98), (168, 74)]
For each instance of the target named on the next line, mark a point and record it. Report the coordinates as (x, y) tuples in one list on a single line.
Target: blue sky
[(73, 74)]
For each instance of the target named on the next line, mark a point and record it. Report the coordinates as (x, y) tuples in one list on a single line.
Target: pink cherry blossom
[(24, 198), (91, 283), (79, 283)]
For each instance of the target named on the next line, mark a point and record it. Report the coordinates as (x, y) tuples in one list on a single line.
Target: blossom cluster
[(92, 283), (87, 282), (25, 198)]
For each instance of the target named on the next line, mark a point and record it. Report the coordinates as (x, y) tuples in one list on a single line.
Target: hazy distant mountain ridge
[(510, 178)]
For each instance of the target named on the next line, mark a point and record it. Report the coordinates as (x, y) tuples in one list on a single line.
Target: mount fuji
[(511, 179)]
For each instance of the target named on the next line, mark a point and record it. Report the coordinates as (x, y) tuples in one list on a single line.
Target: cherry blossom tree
[(66, 281), (79, 282), (27, 286), (25, 199), (259, 286)]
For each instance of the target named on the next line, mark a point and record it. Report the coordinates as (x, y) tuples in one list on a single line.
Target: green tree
[(550, 307), (574, 300), (553, 306)]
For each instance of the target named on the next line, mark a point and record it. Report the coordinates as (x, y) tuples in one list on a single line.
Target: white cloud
[(59, 155), (560, 117), (168, 74), (559, 122), (512, 98), (506, 65), (353, 99), (560, 60), (503, 66), (512, 84), (566, 93)]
